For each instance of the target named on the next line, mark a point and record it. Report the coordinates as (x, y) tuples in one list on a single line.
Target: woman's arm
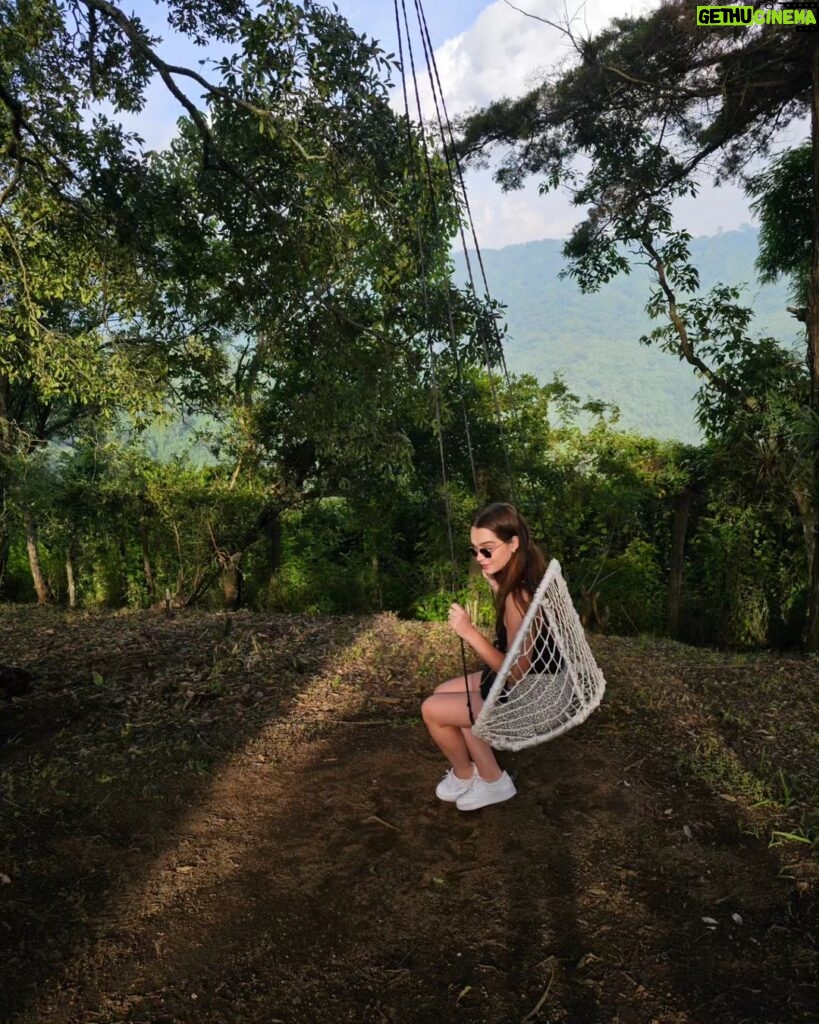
[(460, 621)]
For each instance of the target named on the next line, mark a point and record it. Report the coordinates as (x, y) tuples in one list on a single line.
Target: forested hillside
[(592, 340)]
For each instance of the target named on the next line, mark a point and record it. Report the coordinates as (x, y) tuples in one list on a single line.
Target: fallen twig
[(539, 1004), (380, 821)]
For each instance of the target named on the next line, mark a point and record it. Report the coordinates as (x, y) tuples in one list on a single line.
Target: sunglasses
[(484, 552)]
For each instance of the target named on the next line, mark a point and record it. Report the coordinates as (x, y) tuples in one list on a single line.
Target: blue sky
[(485, 49), (445, 18)]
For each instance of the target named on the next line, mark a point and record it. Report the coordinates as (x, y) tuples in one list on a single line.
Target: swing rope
[(453, 339), (459, 188), (456, 173), (431, 349)]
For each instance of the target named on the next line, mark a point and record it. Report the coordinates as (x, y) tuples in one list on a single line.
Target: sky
[(484, 51)]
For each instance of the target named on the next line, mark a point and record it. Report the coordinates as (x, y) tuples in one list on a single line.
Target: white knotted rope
[(549, 681)]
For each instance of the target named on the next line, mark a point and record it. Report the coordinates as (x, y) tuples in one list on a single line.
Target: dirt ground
[(232, 819)]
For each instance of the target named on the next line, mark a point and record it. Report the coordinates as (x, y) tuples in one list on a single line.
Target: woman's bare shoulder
[(517, 601), (516, 598)]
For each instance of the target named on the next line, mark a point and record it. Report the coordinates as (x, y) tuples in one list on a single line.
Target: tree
[(647, 107), (785, 222), (265, 266)]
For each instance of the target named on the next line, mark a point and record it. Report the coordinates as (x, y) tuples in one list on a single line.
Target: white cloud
[(508, 218), (504, 53)]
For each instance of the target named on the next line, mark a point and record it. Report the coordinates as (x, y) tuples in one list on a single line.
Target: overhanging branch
[(168, 71)]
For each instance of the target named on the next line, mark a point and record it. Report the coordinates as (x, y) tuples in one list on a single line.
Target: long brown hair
[(524, 570)]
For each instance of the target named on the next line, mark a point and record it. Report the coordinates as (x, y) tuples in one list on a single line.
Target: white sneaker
[(450, 787), (482, 793)]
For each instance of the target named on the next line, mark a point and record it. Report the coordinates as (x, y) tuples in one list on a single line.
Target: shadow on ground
[(309, 875)]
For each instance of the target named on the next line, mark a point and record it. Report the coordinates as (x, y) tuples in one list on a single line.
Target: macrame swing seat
[(549, 681)]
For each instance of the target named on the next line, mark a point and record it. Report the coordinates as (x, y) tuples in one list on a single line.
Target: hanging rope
[(453, 337), (432, 69), (455, 170), (431, 350)]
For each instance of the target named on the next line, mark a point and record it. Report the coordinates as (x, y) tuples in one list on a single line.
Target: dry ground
[(231, 819)]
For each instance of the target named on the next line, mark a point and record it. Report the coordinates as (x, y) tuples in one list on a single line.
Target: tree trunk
[(812, 638), (232, 583), (266, 517), (122, 549), (803, 499), (379, 595), (5, 544), (40, 585), (273, 530), (5, 449), (69, 578), (679, 529), (5, 412), (147, 568)]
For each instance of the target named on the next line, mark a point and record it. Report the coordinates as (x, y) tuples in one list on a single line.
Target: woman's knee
[(428, 710)]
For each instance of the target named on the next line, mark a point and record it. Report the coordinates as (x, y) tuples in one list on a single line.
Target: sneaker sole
[(450, 799), (485, 803)]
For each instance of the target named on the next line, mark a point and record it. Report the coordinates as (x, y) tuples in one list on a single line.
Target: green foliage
[(326, 569), (781, 200), (599, 499), (264, 267)]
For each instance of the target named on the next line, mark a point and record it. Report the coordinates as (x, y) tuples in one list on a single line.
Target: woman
[(513, 565)]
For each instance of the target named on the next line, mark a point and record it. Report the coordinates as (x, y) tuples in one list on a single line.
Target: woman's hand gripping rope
[(459, 620)]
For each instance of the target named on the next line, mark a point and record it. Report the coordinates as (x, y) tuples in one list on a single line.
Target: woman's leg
[(446, 716), (483, 756), (456, 685)]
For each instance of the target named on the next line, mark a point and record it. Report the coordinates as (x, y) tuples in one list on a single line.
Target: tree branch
[(167, 71), (19, 123), (537, 17), (139, 42), (11, 187), (686, 346), (702, 93)]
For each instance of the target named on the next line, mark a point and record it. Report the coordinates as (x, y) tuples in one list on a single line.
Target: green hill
[(593, 340)]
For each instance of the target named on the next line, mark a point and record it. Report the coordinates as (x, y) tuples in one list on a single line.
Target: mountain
[(593, 340)]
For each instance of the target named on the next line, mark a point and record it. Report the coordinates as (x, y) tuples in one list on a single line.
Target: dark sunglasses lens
[(483, 552)]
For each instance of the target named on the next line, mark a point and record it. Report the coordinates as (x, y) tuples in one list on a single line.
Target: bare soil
[(231, 819)]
